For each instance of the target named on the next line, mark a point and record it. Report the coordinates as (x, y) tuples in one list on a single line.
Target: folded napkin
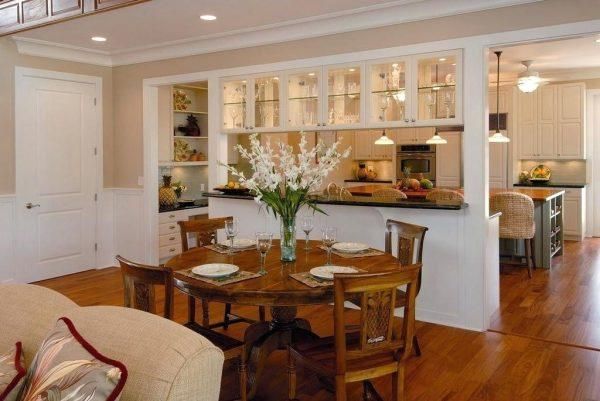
[(349, 255), (223, 249), (314, 282)]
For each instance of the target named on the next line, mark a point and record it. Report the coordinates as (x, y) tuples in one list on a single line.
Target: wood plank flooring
[(526, 363)]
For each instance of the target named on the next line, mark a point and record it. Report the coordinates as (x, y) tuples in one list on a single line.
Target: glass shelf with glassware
[(344, 101)]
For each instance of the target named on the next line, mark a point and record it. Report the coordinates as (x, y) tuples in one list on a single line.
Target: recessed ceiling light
[(598, 40), (208, 17), (311, 74), (442, 59), (351, 69), (98, 38)]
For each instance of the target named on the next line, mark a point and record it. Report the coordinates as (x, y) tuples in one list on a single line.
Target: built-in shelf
[(183, 164), (190, 87), (190, 112), (435, 87), (190, 137)]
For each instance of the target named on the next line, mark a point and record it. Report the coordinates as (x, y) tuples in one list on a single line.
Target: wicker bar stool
[(336, 192), (388, 194), (444, 195), (517, 221)]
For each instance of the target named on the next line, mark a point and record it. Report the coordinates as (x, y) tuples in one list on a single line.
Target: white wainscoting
[(7, 238), (128, 214)]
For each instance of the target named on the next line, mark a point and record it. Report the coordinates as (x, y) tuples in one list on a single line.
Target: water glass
[(307, 225), (263, 245), (329, 235), (232, 228)]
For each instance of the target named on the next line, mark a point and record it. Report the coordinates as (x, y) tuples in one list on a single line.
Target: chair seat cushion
[(12, 372), (68, 367), (319, 355)]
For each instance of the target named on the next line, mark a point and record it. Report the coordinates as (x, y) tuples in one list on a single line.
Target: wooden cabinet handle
[(172, 250), (171, 238), (171, 227)]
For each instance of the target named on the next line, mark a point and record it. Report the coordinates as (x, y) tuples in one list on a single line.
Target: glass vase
[(288, 239)]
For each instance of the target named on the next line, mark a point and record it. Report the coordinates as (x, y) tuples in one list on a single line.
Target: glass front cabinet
[(411, 91)]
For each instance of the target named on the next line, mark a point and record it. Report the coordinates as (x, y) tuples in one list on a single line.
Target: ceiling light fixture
[(598, 40), (442, 59), (208, 17), (352, 69), (311, 74), (384, 140), (436, 139), (498, 137), (98, 38), (529, 80)]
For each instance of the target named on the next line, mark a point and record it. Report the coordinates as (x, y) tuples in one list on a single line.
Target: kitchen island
[(446, 284)]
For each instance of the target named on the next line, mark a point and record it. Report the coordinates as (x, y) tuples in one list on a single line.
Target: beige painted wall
[(128, 79), (9, 58)]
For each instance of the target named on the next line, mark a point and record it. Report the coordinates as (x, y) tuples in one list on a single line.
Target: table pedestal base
[(262, 338)]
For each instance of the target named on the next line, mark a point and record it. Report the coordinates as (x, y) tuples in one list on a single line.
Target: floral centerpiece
[(282, 180)]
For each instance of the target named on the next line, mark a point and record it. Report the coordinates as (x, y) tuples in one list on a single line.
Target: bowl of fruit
[(233, 188)]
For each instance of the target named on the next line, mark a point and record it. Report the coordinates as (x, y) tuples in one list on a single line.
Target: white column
[(476, 184), (217, 142), (150, 129)]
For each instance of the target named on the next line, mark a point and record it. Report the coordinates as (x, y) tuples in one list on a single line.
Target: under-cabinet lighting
[(311, 74), (352, 69), (442, 59), (98, 38), (208, 17)]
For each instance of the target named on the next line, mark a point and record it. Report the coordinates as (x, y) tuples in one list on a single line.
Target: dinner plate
[(239, 243), (327, 272), (350, 247), (214, 270)]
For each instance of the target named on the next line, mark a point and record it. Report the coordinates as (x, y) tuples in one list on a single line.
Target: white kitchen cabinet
[(571, 121), (169, 238), (365, 148), (550, 122), (504, 100), (414, 136), (344, 103), (389, 92), (498, 164), (304, 99), (449, 161), (574, 214)]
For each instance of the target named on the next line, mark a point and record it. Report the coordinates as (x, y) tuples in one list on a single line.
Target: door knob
[(30, 205)]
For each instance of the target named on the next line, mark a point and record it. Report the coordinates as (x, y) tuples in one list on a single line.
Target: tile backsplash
[(192, 177), (563, 171)]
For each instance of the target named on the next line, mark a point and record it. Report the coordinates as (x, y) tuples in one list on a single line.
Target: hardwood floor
[(524, 364)]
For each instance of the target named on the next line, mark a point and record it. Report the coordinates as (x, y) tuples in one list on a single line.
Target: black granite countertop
[(371, 181), (367, 201), (551, 184), (197, 204)]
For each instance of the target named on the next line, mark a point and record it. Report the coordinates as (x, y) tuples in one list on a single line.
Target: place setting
[(232, 245), (322, 276), (350, 250)]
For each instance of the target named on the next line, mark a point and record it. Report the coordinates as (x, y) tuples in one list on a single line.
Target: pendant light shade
[(529, 80), (436, 139), (384, 140), (498, 137)]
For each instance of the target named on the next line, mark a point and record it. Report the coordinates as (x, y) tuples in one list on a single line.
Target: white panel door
[(571, 133), (56, 131)]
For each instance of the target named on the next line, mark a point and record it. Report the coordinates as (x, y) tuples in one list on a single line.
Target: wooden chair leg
[(205, 314), (226, 316), (529, 257), (261, 313), (191, 309), (340, 389), (398, 384), (416, 346), (243, 371), (533, 253), (291, 376)]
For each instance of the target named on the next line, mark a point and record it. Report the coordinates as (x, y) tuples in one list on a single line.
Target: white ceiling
[(556, 60), (161, 29)]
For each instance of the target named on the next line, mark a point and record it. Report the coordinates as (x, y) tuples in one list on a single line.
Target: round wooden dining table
[(276, 289)]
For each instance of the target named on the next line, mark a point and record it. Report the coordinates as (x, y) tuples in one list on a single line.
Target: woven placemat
[(314, 282), (223, 249), (241, 275), (348, 255)]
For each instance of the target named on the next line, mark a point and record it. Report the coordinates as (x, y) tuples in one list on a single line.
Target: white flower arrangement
[(283, 180)]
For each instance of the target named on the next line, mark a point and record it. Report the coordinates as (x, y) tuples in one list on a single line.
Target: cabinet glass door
[(436, 88), (343, 96), (267, 103), (235, 99), (303, 105), (388, 93)]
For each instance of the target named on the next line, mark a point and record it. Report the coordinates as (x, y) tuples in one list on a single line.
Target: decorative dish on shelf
[(233, 190), (540, 173)]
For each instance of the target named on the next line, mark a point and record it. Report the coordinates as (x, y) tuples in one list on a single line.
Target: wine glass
[(234, 114), (329, 235), (307, 225), (431, 102), (232, 227), (263, 245), (384, 102)]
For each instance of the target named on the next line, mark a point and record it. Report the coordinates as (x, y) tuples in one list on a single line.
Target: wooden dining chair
[(139, 281), (409, 250), (380, 347), (206, 232)]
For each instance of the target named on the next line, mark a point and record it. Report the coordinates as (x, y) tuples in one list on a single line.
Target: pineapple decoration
[(166, 193), (407, 182)]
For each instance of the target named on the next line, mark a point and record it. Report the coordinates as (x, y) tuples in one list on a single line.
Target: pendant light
[(498, 137), (529, 80), (436, 139), (384, 140)]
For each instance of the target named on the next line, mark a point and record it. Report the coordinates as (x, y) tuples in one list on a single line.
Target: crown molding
[(381, 15)]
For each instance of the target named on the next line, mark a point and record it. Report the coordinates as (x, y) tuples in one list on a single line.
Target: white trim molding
[(7, 238), (380, 15)]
